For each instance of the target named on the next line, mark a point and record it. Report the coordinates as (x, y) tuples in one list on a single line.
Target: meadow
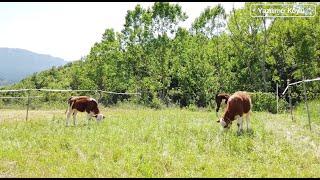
[(142, 142), (169, 65)]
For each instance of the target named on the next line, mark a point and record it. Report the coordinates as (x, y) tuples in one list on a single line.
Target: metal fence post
[(289, 94), (277, 98), (100, 95), (305, 100)]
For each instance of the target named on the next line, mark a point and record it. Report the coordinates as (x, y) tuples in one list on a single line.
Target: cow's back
[(82, 103), (246, 100), (240, 103), (72, 99)]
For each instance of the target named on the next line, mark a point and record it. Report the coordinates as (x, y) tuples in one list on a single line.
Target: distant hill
[(16, 64)]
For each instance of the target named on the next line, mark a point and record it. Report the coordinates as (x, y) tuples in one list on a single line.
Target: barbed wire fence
[(98, 94)]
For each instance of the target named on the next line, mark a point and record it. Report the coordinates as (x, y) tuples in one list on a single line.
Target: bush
[(267, 102), (192, 107), (156, 103)]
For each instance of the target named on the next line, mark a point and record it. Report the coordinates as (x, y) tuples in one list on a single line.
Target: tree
[(165, 19)]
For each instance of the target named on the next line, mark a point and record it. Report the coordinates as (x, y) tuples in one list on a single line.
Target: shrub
[(156, 103), (267, 102), (192, 107)]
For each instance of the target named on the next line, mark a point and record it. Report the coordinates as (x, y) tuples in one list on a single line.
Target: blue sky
[(69, 29)]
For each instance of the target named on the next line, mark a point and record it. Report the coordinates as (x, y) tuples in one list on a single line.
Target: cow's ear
[(218, 121)]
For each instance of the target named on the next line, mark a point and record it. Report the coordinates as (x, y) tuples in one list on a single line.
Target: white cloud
[(68, 30)]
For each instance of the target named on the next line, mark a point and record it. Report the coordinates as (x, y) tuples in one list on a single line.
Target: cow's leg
[(68, 116), (240, 123), (74, 117), (89, 116)]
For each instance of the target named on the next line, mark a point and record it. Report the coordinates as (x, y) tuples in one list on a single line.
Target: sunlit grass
[(314, 110), (141, 142)]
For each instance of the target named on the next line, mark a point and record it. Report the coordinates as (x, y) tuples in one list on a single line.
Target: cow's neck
[(228, 116)]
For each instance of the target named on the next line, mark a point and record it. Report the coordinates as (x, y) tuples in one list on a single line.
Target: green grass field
[(141, 142)]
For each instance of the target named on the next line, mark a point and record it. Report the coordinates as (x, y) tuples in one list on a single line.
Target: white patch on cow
[(91, 99), (72, 112), (240, 124), (74, 116), (231, 97), (99, 117), (223, 123)]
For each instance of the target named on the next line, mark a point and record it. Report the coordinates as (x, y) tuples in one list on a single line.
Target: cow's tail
[(69, 105)]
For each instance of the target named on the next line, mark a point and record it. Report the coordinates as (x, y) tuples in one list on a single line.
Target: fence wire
[(26, 103), (308, 110)]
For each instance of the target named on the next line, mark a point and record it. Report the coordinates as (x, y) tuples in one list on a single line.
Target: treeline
[(169, 64)]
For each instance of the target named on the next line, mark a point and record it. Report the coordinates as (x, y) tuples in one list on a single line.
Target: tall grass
[(141, 142), (314, 110)]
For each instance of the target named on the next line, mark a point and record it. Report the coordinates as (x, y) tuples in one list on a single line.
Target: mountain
[(16, 64)]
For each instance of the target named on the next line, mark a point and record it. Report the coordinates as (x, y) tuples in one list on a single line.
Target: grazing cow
[(81, 104), (219, 98), (238, 104)]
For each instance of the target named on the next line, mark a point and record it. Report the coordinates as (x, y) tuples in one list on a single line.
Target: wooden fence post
[(305, 100), (28, 104), (289, 94)]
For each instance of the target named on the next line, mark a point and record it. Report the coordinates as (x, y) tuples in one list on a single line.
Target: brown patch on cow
[(84, 103)]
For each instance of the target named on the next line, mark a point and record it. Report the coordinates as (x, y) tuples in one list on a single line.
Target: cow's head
[(225, 124), (99, 117)]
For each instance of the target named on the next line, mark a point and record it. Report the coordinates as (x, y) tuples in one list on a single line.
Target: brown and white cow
[(238, 104), (83, 104)]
